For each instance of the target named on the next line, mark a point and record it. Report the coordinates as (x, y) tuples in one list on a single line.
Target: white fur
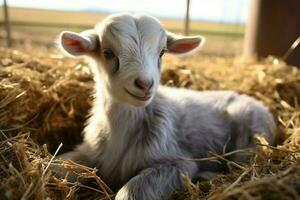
[(142, 147)]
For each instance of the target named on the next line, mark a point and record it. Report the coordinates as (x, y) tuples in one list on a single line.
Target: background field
[(44, 25)]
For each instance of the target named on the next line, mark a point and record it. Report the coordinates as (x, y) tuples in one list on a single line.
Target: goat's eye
[(162, 53), (108, 54)]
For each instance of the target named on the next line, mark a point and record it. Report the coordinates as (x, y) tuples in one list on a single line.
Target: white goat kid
[(140, 134)]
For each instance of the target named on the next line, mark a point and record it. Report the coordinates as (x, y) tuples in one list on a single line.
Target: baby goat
[(142, 136)]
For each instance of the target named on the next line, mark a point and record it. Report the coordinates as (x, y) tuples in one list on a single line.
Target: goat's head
[(128, 50)]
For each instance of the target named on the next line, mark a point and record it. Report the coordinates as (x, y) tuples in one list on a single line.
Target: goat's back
[(210, 120)]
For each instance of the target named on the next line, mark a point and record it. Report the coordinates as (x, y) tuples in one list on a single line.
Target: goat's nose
[(143, 85)]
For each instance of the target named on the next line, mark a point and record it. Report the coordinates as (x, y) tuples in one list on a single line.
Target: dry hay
[(44, 99), (47, 96)]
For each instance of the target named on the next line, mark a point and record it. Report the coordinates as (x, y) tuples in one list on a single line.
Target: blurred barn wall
[(272, 27)]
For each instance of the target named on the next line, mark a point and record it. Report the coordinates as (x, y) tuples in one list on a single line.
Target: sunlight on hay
[(45, 98)]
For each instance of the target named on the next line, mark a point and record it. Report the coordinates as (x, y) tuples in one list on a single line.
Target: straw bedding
[(45, 98)]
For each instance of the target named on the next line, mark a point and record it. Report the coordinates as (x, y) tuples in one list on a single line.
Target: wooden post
[(272, 28), (250, 44), (7, 24), (187, 18)]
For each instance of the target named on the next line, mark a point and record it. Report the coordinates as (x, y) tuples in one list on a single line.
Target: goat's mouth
[(144, 98)]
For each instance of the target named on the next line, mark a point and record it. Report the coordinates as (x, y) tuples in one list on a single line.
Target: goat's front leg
[(156, 182)]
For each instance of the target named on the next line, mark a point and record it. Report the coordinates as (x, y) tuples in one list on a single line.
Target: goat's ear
[(179, 44), (77, 44)]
